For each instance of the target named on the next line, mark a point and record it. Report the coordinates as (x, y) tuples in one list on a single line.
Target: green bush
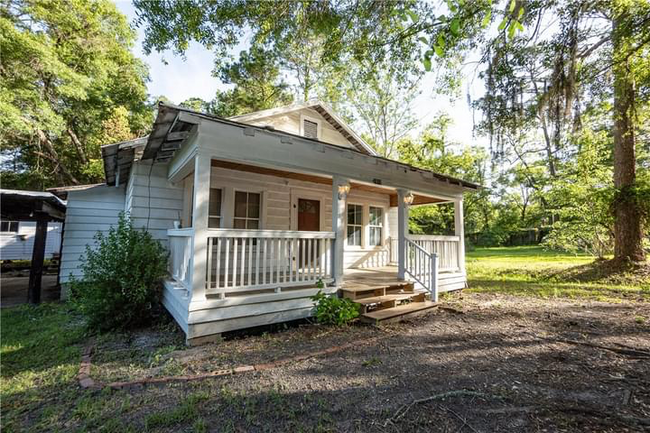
[(122, 278), (332, 310)]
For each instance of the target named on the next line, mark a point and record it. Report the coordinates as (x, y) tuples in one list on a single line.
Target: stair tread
[(400, 310), (385, 298), (367, 288)]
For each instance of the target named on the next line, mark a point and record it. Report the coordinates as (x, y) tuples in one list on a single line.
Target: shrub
[(122, 278), (332, 310)]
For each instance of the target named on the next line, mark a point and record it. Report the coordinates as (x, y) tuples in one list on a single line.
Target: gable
[(294, 122)]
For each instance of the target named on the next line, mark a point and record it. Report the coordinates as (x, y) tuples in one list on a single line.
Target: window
[(9, 226), (376, 225), (214, 211), (309, 129), (247, 210), (355, 224)]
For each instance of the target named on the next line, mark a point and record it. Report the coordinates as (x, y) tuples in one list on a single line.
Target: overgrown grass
[(533, 271), (40, 357)]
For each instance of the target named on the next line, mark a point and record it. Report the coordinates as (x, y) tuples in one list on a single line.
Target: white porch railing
[(422, 266), (250, 260), (445, 247), (180, 259)]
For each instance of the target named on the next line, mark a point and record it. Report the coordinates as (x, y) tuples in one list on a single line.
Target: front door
[(308, 220), (308, 215)]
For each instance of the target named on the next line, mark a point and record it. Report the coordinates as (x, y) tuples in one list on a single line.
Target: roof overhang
[(174, 125), (18, 205)]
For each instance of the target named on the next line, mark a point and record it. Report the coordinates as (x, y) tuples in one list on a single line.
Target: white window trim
[(364, 225), (383, 226), (311, 119), (221, 218), (262, 216)]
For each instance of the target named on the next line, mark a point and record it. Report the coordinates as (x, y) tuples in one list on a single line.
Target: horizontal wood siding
[(20, 245), (277, 207), (290, 122), (90, 210), (152, 201)]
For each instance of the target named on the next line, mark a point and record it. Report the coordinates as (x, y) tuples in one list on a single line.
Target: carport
[(41, 207)]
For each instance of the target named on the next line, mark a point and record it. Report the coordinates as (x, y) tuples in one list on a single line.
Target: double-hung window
[(214, 212), (355, 224), (247, 210), (375, 226)]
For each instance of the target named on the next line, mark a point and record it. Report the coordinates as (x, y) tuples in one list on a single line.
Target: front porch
[(268, 220)]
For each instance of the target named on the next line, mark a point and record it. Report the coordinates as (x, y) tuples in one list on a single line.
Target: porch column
[(402, 231), (340, 188), (201, 197), (459, 230)]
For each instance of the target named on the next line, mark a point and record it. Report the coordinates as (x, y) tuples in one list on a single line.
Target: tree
[(257, 85), (65, 69), (382, 101)]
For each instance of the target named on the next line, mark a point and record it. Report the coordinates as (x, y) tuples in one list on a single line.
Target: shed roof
[(19, 205)]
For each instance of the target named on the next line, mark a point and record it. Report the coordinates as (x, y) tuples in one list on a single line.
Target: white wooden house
[(17, 240), (258, 209)]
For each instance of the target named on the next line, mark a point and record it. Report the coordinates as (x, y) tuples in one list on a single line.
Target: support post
[(38, 256), (402, 231), (434, 277), (201, 198), (339, 212), (459, 230)]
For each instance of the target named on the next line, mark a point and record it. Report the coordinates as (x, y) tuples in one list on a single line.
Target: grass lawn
[(533, 271)]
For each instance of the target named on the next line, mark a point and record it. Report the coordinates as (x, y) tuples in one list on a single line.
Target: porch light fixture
[(344, 190), (408, 199)]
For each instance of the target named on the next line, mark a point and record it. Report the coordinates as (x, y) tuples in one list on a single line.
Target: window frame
[(313, 120), (9, 224), (361, 225), (259, 219), (221, 208), (375, 226)]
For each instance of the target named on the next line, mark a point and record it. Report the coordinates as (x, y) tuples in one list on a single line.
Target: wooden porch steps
[(398, 313), (388, 301)]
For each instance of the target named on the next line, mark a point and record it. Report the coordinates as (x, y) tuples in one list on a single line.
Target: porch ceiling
[(418, 199)]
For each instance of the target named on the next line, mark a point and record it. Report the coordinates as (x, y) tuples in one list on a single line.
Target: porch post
[(339, 212), (402, 231), (459, 230), (201, 197)]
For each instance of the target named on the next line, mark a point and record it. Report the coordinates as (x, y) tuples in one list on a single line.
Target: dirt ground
[(482, 363), (14, 289)]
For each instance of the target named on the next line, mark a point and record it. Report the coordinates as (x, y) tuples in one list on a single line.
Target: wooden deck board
[(398, 313)]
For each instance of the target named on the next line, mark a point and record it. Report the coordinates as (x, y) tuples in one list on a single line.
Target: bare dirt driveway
[(486, 363)]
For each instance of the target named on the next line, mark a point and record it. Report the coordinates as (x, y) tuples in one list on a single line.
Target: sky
[(179, 79)]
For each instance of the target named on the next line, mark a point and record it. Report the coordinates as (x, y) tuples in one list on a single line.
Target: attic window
[(309, 129)]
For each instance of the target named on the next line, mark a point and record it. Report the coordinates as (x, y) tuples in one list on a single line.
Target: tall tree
[(257, 84), (630, 37), (65, 68)]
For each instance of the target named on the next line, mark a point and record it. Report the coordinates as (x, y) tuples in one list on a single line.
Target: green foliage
[(332, 310), (258, 85), (122, 278), (67, 76)]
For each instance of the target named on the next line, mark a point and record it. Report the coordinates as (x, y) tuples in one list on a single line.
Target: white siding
[(277, 193), (20, 245), (90, 210), (152, 201), (290, 122)]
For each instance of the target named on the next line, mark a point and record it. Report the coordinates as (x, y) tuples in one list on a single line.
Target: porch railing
[(181, 250), (422, 267), (445, 247), (251, 260)]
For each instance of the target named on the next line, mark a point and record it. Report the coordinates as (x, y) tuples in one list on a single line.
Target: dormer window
[(309, 127)]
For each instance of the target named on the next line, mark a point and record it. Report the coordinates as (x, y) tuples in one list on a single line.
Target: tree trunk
[(627, 214)]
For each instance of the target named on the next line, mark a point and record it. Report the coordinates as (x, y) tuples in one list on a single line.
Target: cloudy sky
[(180, 79)]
